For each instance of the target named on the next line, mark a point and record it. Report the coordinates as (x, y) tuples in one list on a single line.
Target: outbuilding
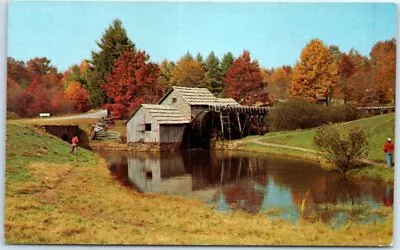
[(152, 123)]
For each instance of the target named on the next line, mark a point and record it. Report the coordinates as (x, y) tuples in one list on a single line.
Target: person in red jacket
[(388, 148), (74, 142)]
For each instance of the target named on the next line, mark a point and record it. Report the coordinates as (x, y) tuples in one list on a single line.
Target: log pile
[(100, 130)]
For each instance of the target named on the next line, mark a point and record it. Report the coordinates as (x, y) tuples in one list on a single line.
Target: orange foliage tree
[(132, 81), (279, 83), (244, 81), (188, 73), (316, 73), (78, 96), (383, 59)]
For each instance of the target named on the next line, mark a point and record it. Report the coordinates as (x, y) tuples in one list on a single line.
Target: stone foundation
[(155, 147)]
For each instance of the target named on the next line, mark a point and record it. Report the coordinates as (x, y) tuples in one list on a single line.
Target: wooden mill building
[(186, 113)]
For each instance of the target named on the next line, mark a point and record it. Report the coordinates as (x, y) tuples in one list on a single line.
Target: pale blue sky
[(274, 33)]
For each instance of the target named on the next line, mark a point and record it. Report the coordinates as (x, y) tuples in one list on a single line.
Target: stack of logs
[(100, 129)]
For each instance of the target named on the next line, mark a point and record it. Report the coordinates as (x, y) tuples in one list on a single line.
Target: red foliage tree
[(132, 81), (40, 66), (44, 91), (17, 98), (244, 81)]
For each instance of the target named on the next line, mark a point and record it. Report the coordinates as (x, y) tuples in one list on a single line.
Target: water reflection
[(249, 182)]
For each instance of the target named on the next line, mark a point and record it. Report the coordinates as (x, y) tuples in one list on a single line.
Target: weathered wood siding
[(136, 127), (196, 109), (171, 133), (180, 103), (158, 175)]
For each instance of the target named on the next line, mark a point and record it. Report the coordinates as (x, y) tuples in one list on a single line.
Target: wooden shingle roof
[(196, 96), (165, 114), (227, 102)]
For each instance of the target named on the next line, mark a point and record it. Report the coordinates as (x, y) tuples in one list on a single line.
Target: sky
[(274, 33)]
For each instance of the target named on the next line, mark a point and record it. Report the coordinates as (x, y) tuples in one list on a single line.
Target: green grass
[(378, 127), (373, 172), (57, 198), (25, 145)]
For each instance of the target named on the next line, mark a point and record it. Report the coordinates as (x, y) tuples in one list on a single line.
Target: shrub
[(343, 113), (297, 113), (343, 148)]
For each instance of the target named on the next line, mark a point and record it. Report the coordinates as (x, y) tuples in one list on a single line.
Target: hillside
[(53, 197), (379, 129)]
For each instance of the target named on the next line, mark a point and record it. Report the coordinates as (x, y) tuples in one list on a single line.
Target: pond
[(230, 181)]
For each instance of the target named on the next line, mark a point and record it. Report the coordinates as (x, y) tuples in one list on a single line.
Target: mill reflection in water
[(250, 182)]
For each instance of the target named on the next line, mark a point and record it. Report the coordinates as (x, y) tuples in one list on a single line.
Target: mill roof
[(227, 102), (193, 96), (165, 114)]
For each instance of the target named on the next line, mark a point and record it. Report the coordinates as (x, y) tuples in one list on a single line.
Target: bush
[(343, 113), (297, 113), (343, 148)]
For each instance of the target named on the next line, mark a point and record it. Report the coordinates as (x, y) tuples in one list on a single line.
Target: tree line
[(120, 77)]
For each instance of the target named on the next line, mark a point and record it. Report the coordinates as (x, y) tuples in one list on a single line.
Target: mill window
[(147, 126)]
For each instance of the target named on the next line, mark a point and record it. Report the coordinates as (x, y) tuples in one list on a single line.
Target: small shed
[(156, 124)]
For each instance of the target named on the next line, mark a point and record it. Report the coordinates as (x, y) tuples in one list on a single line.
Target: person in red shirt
[(74, 142), (388, 148)]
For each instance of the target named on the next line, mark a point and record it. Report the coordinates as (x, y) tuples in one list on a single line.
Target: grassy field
[(379, 129), (53, 197)]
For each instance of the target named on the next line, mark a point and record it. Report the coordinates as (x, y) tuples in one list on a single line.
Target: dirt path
[(267, 144)]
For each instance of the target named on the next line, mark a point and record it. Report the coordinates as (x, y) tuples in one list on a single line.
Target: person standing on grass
[(74, 142), (388, 148)]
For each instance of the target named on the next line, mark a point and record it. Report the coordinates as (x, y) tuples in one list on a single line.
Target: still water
[(231, 181)]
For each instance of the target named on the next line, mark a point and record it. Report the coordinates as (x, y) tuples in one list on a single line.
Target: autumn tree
[(112, 44), (188, 73), (78, 95), (316, 73), (346, 68), (40, 66), (132, 82), (213, 75), (279, 83), (35, 87), (18, 98), (360, 88), (244, 81), (18, 72), (77, 73), (383, 60)]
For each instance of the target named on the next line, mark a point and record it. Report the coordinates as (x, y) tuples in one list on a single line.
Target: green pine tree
[(112, 44), (213, 76), (227, 61), (188, 57)]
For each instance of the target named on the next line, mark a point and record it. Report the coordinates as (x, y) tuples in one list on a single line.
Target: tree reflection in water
[(249, 182)]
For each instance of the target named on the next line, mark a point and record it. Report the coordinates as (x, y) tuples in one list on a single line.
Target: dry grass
[(88, 207), (80, 203)]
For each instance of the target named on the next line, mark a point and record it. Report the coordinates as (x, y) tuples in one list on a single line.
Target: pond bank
[(80, 203), (371, 170)]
